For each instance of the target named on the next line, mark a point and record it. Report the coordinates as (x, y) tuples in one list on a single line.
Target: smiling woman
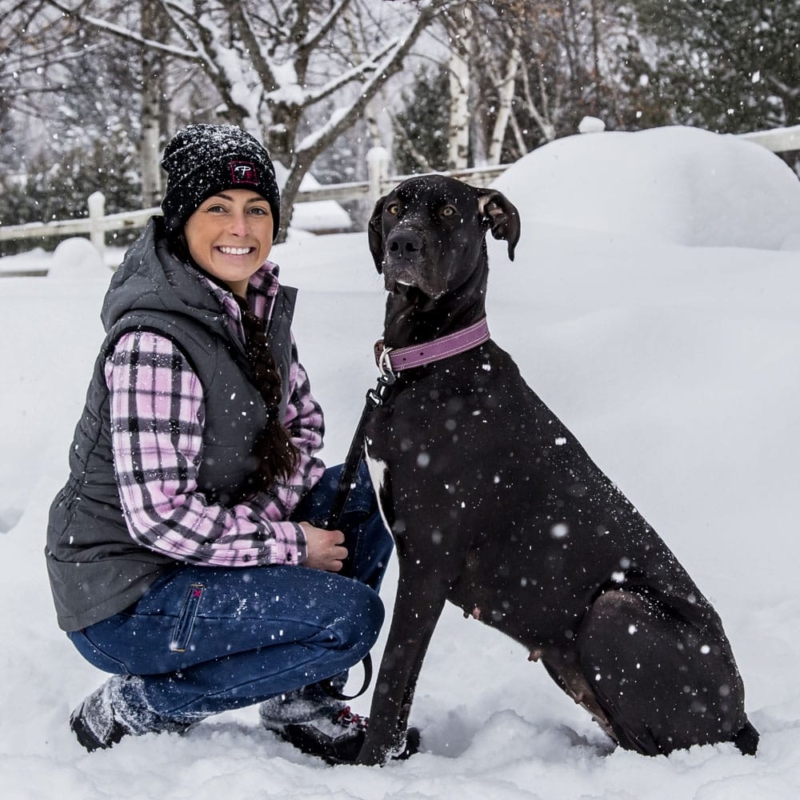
[(187, 553)]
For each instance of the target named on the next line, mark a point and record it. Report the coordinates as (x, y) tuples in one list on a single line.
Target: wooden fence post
[(97, 210), (378, 172)]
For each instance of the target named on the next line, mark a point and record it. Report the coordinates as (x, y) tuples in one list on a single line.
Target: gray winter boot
[(115, 710), (315, 723), (320, 725)]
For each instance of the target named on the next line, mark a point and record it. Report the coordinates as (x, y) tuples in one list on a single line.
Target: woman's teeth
[(235, 251)]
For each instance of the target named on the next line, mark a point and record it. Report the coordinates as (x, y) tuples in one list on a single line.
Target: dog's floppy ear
[(502, 216), (375, 234)]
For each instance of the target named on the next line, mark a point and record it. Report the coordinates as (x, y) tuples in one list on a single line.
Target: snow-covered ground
[(655, 305)]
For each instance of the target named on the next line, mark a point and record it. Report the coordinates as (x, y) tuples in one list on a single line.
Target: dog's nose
[(404, 244)]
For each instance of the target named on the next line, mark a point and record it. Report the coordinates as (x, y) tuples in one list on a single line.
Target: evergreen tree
[(420, 128), (727, 65), (58, 182)]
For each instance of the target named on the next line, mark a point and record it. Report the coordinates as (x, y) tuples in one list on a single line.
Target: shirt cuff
[(290, 545)]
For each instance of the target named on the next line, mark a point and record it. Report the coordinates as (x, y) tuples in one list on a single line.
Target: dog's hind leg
[(663, 683), (570, 678)]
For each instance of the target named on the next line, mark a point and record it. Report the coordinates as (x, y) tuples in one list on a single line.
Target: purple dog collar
[(392, 360)]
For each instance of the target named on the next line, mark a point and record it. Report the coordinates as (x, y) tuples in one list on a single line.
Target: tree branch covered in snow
[(274, 66), (119, 31), (314, 38), (389, 65)]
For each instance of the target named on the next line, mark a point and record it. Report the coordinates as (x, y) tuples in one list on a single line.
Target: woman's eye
[(216, 209), (448, 211), (259, 211), (393, 209)]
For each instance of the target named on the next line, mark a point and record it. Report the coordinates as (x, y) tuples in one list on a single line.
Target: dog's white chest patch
[(378, 471)]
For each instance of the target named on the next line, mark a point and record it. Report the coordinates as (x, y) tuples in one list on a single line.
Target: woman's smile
[(236, 251)]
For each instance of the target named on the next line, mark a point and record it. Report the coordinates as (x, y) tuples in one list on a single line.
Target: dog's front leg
[(420, 599)]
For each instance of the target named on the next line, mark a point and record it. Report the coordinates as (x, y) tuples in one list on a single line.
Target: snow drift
[(679, 185)]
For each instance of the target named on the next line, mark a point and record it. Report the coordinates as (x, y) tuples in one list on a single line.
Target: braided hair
[(276, 453)]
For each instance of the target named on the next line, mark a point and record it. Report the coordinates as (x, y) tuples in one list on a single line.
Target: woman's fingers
[(324, 549)]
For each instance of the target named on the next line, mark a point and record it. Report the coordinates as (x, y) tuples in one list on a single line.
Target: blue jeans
[(205, 639)]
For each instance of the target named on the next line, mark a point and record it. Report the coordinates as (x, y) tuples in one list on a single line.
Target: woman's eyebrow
[(247, 202)]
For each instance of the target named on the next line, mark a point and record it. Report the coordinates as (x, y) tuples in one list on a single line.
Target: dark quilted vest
[(96, 569)]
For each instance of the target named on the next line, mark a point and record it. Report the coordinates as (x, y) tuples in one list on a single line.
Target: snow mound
[(680, 185), (76, 259)]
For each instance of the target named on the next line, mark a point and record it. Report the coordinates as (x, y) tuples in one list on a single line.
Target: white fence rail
[(779, 140), (98, 223)]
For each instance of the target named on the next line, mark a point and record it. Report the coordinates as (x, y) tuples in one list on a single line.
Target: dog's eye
[(393, 209), (448, 211)]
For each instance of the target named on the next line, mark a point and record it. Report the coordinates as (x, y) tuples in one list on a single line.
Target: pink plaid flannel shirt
[(154, 393)]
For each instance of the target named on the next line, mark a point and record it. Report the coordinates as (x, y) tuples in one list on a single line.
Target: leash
[(390, 361), (375, 397)]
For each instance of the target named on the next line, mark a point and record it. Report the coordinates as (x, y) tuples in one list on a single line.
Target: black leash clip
[(377, 396)]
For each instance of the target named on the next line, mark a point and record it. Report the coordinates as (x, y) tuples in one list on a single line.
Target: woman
[(186, 554)]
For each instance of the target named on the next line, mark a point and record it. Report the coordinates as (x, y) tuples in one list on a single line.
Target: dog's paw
[(373, 754), (411, 748)]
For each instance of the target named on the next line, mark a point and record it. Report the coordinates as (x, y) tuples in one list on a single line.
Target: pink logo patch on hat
[(244, 172)]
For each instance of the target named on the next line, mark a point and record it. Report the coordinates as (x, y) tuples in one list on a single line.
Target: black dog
[(495, 506)]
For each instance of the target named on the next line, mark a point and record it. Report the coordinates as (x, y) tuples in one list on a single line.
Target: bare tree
[(569, 63), (506, 90), (275, 67), (152, 26), (33, 42), (459, 29), (484, 57)]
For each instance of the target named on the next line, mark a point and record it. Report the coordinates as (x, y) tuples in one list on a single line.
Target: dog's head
[(429, 233)]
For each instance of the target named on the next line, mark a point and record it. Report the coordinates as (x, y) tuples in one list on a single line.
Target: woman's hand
[(324, 549)]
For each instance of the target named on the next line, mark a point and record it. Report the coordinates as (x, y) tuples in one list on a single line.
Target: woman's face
[(230, 236)]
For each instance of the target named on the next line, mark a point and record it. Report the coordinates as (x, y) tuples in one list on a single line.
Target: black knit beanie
[(203, 160)]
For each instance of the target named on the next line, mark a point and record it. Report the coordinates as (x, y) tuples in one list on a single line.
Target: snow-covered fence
[(96, 224), (779, 140)]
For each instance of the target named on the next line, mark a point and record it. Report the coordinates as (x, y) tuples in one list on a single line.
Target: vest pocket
[(182, 632)]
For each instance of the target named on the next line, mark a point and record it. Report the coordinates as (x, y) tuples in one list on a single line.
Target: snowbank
[(679, 185)]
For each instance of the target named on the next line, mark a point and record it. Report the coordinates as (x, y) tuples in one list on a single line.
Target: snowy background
[(654, 304)]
